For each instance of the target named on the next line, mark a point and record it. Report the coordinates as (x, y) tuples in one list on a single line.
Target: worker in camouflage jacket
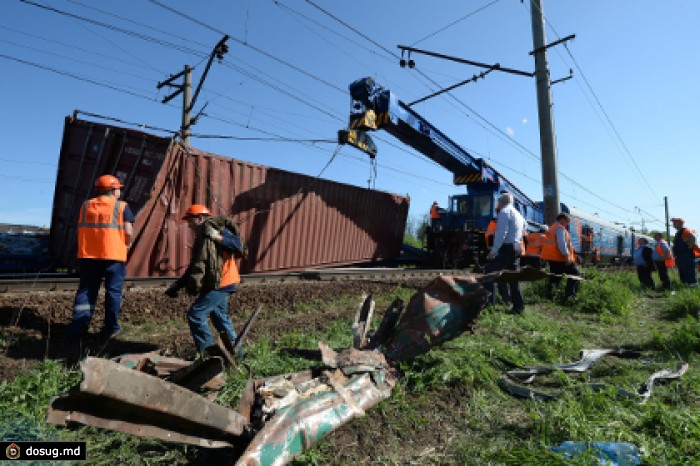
[(212, 274)]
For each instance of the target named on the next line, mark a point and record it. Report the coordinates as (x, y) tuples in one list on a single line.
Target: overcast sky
[(635, 65)]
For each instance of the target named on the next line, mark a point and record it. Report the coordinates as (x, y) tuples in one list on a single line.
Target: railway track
[(58, 282)]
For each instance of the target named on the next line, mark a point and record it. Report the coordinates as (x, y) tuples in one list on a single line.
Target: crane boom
[(375, 108)]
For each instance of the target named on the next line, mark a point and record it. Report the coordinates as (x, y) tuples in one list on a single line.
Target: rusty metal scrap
[(282, 415), (447, 307), (115, 397)]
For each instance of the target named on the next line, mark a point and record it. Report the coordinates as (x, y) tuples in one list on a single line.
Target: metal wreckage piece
[(512, 380), (278, 417)]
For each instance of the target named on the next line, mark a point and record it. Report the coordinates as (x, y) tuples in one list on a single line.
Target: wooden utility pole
[(186, 90), (550, 177), (188, 101)]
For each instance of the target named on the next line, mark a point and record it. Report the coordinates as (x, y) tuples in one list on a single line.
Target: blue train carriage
[(599, 241)]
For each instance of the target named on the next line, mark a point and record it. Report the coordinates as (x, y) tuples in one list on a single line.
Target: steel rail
[(57, 282)]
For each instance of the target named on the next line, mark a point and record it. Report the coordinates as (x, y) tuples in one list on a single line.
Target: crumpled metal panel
[(443, 310), (295, 428), (115, 397)]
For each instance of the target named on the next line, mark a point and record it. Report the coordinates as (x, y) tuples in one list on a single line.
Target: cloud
[(524, 121)]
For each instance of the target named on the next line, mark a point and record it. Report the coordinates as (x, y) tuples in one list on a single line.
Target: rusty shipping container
[(289, 221)]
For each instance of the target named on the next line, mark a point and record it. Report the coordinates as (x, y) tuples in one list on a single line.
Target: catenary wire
[(112, 27), (456, 21), (494, 127), (75, 47), (76, 60), (78, 77), (609, 121)]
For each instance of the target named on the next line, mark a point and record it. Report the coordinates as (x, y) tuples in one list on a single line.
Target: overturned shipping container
[(289, 221)]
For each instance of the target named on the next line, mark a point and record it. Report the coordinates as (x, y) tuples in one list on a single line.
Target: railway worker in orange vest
[(558, 251), (506, 251), (212, 274), (434, 215), (685, 250), (105, 229), (490, 231), (535, 240), (663, 259)]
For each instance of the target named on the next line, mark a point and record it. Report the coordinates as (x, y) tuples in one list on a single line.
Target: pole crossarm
[(496, 66), (556, 42)]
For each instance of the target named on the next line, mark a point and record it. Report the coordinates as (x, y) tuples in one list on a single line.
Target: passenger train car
[(458, 238)]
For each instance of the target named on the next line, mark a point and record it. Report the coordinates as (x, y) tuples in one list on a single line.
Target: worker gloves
[(172, 291), (212, 233)]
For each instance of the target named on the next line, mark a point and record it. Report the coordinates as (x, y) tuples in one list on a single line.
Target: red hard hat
[(106, 182), (196, 209), (677, 219)]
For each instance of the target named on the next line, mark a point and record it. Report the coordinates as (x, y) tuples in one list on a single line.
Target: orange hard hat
[(107, 182), (196, 209)]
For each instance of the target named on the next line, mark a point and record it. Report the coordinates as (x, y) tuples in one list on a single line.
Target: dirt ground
[(33, 325)]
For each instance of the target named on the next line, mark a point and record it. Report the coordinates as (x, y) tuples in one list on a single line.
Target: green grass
[(684, 302), (412, 241), (447, 407)]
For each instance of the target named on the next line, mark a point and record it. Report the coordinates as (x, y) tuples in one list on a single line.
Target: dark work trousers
[(532, 261), (92, 272), (686, 269), (560, 268), (644, 275), (663, 274), (506, 259)]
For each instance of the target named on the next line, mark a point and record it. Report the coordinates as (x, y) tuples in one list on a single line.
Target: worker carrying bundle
[(212, 274)]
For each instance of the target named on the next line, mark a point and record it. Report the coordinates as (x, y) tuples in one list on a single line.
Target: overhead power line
[(121, 30), (78, 77), (457, 21), (75, 47), (609, 121), (497, 130), (76, 60), (244, 43)]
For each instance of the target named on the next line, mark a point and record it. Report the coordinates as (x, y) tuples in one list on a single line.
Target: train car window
[(482, 205)]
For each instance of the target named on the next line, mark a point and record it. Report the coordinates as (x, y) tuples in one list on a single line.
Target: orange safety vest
[(687, 234), (434, 212), (534, 244), (490, 232), (101, 233), (668, 257), (229, 271), (550, 250)]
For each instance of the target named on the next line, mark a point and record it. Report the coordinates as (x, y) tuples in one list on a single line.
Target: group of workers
[(660, 257), (509, 247), (105, 234)]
